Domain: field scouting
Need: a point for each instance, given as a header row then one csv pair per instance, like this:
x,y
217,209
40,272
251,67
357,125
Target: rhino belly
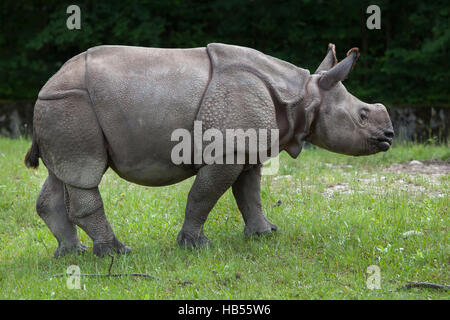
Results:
x,y
140,96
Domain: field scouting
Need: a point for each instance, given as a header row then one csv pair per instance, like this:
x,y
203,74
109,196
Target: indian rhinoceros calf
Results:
x,y
117,106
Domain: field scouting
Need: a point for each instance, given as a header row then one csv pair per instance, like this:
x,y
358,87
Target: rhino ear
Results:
x,y
330,59
340,71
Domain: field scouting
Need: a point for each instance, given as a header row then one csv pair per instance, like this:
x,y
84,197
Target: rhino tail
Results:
x,y
32,156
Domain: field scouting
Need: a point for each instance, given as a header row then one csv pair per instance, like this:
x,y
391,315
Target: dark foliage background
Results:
x,y
405,62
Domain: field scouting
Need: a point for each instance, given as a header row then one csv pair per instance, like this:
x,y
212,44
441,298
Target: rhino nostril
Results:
x,y
389,133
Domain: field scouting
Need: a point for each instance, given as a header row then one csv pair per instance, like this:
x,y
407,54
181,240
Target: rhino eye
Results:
x,y
363,116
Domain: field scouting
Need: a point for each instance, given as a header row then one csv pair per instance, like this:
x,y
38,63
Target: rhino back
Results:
x,y
140,96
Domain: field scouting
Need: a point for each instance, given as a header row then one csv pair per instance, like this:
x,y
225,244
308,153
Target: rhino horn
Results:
x,y
340,71
330,59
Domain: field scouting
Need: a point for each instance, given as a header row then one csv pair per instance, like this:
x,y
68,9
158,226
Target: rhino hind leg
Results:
x,y
247,192
50,207
71,142
210,184
85,207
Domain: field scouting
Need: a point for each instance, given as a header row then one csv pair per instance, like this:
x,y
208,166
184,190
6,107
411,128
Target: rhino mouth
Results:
x,y
382,143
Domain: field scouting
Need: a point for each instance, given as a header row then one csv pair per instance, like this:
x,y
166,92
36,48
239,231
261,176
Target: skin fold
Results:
x,y
117,106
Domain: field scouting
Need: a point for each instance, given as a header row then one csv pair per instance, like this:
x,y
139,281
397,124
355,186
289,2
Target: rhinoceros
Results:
x,y
116,107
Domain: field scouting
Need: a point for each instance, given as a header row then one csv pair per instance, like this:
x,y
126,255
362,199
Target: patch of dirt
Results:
x,y
340,187
427,170
430,171
416,167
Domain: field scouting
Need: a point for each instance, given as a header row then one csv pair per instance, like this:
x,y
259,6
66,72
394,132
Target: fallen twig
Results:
x,y
144,275
111,264
414,284
109,274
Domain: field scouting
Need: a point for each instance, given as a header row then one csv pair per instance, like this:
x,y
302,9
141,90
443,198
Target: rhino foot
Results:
x,y
261,228
63,250
192,240
101,249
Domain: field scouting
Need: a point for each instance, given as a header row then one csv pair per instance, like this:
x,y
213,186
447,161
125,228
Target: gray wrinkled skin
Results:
x,y
117,106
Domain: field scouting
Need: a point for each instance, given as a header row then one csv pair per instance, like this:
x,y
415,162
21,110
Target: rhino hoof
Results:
x,y
101,249
188,240
64,250
263,228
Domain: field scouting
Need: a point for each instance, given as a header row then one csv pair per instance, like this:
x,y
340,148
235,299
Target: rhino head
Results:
x,y
343,123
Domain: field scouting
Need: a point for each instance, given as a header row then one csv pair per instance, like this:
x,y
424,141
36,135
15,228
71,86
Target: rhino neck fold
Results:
x,y
301,119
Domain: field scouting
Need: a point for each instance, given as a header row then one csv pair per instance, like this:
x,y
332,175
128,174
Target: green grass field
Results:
x,y
336,215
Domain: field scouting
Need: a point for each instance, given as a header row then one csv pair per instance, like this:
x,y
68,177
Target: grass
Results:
x,y
336,215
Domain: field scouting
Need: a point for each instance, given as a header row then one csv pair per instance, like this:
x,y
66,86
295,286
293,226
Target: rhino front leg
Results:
x,y
50,207
247,192
85,207
210,184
